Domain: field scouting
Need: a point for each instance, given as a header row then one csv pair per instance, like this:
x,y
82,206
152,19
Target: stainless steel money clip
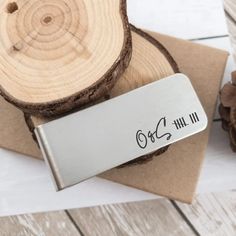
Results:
x,y
86,143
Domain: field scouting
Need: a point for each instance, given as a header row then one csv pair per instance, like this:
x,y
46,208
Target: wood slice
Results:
x,y
150,62
60,54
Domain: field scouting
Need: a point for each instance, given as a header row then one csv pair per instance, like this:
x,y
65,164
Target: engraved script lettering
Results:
x,y
152,136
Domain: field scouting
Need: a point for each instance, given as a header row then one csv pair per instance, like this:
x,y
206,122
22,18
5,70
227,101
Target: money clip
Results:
x,y
86,143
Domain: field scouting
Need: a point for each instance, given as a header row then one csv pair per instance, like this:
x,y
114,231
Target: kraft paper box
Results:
x,y
175,173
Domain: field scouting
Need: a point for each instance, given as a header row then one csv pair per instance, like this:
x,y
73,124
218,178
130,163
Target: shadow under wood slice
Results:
x,y
150,62
59,55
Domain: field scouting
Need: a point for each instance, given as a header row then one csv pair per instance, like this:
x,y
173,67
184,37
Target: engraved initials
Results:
x,y
142,139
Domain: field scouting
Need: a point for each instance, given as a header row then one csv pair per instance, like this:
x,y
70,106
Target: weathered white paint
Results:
x,y
42,224
213,214
157,217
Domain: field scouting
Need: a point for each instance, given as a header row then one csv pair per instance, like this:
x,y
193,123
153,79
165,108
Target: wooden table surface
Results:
x,y
211,213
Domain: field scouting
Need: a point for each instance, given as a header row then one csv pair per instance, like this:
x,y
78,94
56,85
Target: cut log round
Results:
x,y
150,62
60,54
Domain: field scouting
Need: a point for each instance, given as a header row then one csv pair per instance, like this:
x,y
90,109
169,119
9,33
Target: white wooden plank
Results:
x,y
230,12
43,224
181,18
157,217
218,173
213,214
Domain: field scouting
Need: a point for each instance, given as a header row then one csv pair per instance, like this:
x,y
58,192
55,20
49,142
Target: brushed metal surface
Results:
x,y
86,143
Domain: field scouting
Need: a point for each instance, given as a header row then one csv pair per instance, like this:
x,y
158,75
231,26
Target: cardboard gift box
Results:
x,y
173,174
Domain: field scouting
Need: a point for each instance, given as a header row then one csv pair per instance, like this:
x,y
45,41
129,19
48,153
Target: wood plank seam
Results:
x,y
212,214
185,218
210,37
74,222
157,217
